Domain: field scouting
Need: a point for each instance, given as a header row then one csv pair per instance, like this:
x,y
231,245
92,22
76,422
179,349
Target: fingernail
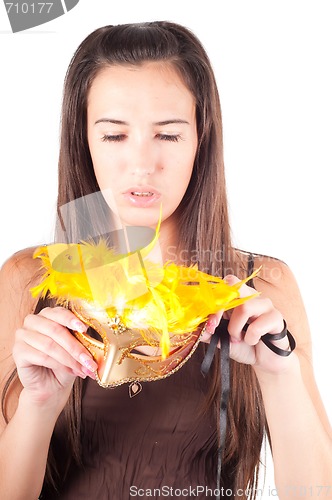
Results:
x,y
88,373
78,325
235,341
211,324
88,362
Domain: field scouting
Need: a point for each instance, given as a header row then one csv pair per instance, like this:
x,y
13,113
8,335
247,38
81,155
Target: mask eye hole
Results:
x,y
94,334
146,352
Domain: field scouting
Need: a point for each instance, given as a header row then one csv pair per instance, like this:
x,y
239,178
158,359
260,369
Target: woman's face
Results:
x,y
143,140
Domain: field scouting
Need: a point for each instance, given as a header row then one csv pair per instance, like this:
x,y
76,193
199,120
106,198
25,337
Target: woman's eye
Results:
x,y
113,138
122,137
168,137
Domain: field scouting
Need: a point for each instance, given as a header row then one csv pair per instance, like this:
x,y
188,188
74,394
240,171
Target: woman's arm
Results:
x,y
301,435
24,445
48,358
24,442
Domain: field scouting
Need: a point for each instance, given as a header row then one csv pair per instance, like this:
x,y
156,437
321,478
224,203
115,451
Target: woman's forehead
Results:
x,y
154,85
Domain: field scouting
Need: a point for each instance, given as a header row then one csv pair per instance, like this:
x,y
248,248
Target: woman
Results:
x,y
141,117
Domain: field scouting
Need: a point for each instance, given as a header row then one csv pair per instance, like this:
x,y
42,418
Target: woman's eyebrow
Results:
x,y
111,120
168,122
121,122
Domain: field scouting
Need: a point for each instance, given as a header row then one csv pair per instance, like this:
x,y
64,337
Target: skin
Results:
x,y
153,142
48,357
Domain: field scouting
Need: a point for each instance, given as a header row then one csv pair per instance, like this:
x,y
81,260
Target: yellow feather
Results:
x,y
156,298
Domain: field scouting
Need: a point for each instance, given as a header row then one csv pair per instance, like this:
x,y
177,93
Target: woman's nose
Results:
x,y
143,160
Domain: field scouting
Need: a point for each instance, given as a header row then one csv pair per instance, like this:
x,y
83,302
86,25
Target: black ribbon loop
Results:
x,y
268,337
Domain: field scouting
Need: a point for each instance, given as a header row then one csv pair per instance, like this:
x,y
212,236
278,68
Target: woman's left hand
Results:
x,y
246,346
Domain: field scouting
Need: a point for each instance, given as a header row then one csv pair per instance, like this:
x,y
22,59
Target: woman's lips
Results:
x,y
142,196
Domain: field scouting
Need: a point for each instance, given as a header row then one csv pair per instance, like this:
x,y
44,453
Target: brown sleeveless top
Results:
x,y
159,439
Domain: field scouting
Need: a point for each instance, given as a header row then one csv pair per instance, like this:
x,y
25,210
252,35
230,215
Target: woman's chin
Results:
x,y
141,217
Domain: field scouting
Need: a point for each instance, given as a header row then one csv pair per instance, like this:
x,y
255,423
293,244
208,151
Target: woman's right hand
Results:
x,y
48,357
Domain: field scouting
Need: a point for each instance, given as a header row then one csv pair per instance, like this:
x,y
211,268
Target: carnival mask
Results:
x,y
147,317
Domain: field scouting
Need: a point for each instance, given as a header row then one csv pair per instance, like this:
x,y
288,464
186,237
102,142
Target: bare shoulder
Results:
x,y
277,281
20,265
17,275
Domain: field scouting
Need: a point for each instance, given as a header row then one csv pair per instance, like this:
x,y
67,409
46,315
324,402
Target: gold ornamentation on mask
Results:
x,y
116,326
128,357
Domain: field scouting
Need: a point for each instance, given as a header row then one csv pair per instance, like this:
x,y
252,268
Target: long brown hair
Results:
x,y
202,214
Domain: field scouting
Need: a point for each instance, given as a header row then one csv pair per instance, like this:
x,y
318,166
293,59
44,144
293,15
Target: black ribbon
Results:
x,y
221,335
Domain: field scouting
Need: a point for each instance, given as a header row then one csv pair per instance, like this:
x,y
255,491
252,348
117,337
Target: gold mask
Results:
x,y
148,317
121,353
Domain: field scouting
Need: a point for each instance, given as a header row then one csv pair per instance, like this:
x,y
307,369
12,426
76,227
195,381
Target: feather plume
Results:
x,y
161,298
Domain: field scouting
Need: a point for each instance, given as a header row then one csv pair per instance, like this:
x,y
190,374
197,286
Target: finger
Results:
x,y
33,348
248,313
213,322
64,317
245,290
58,333
231,279
26,356
206,338
242,353
35,369
266,323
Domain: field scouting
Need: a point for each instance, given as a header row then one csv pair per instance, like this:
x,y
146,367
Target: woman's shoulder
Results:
x,y
272,270
24,255
19,270
274,276
276,281
18,274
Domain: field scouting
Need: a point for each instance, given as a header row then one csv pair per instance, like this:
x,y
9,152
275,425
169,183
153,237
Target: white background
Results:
x,y
272,61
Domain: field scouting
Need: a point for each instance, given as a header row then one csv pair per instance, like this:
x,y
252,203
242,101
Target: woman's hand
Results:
x,y
245,346
48,357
